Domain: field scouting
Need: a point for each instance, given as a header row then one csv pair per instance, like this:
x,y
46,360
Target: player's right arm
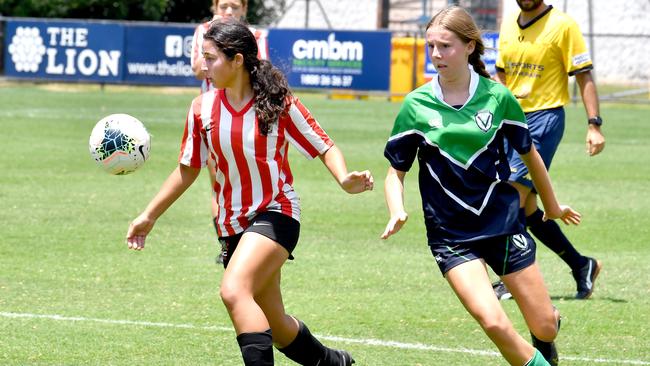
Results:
x,y
175,185
394,193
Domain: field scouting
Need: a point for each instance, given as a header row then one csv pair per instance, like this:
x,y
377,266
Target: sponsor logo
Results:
x,y
173,46
483,120
329,49
28,47
580,59
178,46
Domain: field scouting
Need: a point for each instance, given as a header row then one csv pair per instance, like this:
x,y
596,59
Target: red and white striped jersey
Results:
x,y
252,170
197,48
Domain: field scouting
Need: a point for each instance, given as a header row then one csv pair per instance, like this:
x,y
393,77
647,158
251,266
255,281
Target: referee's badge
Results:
x,y
483,120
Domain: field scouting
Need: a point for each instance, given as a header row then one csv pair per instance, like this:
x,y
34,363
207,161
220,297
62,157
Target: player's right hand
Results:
x,y
137,233
395,224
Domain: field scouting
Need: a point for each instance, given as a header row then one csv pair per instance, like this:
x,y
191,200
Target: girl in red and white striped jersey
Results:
x,y
222,9
246,125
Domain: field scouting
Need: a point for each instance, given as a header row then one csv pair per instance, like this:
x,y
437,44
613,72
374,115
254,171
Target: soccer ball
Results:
x,y
120,144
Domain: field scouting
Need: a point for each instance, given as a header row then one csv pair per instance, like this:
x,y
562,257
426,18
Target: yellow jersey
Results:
x,y
539,57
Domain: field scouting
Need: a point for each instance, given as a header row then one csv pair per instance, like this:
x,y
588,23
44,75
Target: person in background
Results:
x,y
454,127
247,123
539,48
221,9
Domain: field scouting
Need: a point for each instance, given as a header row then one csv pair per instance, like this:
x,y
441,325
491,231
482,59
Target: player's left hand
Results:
x,y
564,213
357,182
595,141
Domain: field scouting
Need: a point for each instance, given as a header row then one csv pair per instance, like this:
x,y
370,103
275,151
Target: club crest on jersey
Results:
x,y
483,120
520,241
436,120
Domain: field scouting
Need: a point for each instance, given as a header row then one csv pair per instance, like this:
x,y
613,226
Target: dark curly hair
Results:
x,y
269,84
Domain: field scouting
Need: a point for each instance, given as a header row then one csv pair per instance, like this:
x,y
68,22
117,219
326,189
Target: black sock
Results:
x,y
550,234
256,348
305,349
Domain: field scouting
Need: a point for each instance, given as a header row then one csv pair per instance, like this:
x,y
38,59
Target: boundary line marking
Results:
x,y
361,341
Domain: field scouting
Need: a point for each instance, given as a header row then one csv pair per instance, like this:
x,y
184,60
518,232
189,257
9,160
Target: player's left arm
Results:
x,y
595,140
542,181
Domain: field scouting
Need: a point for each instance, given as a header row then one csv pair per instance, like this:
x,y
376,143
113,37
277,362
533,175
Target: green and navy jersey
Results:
x,y
464,170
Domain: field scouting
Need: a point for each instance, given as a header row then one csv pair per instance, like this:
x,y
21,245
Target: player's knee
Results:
x,y
545,330
493,324
232,292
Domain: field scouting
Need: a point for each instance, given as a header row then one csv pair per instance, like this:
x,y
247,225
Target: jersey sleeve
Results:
x,y
194,148
575,54
304,132
515,128
402,146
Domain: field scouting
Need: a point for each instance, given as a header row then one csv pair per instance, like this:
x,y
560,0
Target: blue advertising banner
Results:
x,y
332,59
159,55
64,50
490,41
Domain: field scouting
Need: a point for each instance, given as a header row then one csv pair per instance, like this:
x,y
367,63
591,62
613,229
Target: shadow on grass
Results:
x,y
597,298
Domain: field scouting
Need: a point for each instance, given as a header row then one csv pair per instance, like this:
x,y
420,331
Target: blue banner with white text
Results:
x,y
99,51
158,55
64,50
332,59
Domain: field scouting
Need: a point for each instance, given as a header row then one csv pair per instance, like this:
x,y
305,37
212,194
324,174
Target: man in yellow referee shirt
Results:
x,y
539,49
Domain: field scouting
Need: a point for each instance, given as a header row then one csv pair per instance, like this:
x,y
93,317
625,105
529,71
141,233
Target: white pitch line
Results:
x,y
366,341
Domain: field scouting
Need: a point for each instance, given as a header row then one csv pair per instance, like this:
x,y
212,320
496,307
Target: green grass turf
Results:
x,y
62,251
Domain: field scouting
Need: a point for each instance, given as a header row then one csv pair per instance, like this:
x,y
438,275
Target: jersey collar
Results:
x,y
473,84
230,108
538,17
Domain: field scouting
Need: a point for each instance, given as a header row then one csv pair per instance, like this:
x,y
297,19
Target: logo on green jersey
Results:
x,y
483,120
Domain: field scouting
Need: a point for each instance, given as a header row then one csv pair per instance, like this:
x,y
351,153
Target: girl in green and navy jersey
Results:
x,y
456,126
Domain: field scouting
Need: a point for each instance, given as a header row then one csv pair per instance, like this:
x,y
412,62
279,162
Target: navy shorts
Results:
x,y
280,228
546,128
504,254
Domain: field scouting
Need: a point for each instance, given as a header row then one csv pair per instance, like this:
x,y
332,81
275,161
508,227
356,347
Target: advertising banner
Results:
x,y
490,41
64,50
332,59
156,54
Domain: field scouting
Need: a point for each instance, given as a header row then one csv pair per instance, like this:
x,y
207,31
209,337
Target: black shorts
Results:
x,y
504,254
280,228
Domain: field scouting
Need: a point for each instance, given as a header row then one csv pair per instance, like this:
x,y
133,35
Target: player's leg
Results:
x,y
529,291
249,271
547,128
472,286
291,336
585,269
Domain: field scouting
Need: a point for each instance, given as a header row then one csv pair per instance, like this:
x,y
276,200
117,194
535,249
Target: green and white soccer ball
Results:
x,y
120,144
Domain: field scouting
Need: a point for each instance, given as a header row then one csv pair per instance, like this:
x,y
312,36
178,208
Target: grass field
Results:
x,y
72,294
